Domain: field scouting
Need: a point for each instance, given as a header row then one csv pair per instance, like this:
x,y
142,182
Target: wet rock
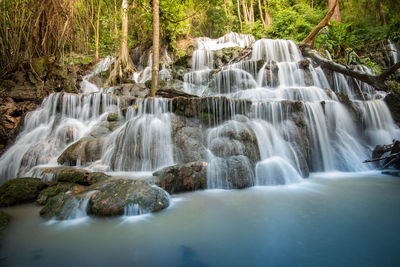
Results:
x,y
56,189
234,138
112,197
66,206
240,172
224,56
187,140
235,172
87,149
80,176
183,177
178,72
113,117
303,64
11,118
296,135
69,175
20,190
132,89
392,100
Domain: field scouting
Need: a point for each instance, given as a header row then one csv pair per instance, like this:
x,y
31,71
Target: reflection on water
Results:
x,y
329,220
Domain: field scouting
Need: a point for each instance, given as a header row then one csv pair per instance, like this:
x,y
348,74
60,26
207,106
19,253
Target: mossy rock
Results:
x,y
113,117
56,189
65,206
20,190
80,176
87,149
114,196
392,100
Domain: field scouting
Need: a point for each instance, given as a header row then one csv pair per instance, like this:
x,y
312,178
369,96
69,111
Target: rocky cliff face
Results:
x,y
23,91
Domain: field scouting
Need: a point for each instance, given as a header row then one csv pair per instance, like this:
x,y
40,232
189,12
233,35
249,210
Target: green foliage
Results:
x,y
293,22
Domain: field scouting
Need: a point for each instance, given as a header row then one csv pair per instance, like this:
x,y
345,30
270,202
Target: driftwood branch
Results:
x,y
383,158
172,93
376,81
310,39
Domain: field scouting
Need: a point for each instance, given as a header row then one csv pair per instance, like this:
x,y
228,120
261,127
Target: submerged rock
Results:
x,y
56,189
4,220
20,190
114,196
183,178
66,206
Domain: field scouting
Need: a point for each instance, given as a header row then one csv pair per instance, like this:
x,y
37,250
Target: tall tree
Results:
x,y
336,15
123,66
97,33
124,53
156,47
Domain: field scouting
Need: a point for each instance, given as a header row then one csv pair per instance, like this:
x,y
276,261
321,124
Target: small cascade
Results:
x,y
103,65
143,143
61,120
144,67
134,210
395,55
77,207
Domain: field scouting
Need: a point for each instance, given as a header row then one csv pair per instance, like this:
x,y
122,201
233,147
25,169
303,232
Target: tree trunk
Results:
x,y
240,17
336,15
268,19
98,31
123,66
376,81
382,14
124,36
156,47
310,39
261,14
246,18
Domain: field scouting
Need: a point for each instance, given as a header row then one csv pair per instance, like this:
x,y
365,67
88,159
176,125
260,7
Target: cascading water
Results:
x,y
266,120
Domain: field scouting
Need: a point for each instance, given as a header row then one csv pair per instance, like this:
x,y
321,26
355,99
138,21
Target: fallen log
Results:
x,y
376,81
382,158
392,160
310,39
172,93
246,52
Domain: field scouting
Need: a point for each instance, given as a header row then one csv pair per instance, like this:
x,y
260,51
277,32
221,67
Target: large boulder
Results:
x,y
132,89
234,138
20,190
187,138
116,196
235,172
87,149
183,178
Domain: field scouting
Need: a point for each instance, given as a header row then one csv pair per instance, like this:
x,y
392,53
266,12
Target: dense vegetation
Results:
x,y
69,30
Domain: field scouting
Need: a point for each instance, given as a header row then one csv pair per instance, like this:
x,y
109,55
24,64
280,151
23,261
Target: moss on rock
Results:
x,y
56,189
20,190
113,196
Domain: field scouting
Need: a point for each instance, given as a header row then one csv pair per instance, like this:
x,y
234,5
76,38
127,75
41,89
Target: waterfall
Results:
x,y
269,119
143,143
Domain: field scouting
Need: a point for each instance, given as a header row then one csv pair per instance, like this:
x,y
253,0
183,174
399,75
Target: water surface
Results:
x,y
329,220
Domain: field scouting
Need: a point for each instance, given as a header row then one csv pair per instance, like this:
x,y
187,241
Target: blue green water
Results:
x,y
329,220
